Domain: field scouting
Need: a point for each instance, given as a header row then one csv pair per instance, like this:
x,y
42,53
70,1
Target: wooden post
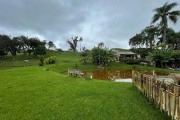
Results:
x,y
149,88
152,88
159,95
177,104
169,103
142,82
161,99
178,110
155,93
165,100
174,100
133,80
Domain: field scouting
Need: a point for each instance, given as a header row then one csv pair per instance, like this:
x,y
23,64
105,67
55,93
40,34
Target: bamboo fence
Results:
x,y
166,97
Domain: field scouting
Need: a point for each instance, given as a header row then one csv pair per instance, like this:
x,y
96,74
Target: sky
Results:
x,y
112,22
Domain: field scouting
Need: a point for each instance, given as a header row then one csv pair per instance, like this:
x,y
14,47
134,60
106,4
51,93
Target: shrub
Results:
x,y
41,60
51,60
131,61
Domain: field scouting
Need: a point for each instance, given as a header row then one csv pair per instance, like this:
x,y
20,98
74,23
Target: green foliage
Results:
x,y
165,14
99,56
41,60
143,52
51,60
162,57
2,53
131,61
40,50
85,55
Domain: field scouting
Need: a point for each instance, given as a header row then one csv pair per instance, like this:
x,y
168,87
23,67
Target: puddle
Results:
x,y
123,80
116,75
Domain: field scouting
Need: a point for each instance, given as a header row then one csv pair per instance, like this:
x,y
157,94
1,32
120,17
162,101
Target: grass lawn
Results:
x,y
34,93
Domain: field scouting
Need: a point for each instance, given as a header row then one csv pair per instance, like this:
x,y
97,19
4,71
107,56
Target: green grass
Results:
x,y
34,93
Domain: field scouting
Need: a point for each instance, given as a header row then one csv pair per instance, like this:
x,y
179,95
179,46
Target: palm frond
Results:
x,y
158,10
174,13
170,6
101,44
155,18
173,19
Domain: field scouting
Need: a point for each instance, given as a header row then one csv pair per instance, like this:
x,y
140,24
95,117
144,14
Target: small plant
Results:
x,y
51,60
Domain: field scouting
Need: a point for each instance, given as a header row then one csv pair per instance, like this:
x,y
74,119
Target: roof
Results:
x,y
125,53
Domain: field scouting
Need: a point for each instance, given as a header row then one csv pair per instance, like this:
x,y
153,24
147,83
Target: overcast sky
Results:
x,y
113,22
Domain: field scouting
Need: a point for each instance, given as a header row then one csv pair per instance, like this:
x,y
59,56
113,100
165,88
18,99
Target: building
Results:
x,y
121,55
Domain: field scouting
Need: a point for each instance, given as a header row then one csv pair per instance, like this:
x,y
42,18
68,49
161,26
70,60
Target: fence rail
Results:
x,y
165,96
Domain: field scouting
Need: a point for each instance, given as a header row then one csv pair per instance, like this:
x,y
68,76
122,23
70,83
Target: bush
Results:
x,y
131,61
51,60
41,60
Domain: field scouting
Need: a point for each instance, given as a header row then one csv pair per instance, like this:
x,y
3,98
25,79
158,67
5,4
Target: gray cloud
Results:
x,y
112,22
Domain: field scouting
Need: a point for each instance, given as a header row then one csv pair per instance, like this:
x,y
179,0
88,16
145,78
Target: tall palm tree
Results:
x,y
164,13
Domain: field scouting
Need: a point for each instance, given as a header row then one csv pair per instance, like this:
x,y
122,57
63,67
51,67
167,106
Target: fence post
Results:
x,y
165,101
174,100
160,96
169,103
178,111
152,89
133,78
161,99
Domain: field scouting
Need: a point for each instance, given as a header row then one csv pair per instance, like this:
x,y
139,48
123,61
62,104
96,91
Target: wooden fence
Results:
x,y
165,96
74,72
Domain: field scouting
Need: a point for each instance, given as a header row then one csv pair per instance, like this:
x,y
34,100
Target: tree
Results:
x,y
14,46
73,43
51,45
4,44
162,57
40,50
34,43
148,36
24,42
101,56
85,55
173,38
136,41
100,45
164,13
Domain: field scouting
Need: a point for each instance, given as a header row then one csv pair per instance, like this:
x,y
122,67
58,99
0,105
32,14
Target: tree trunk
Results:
x,y
14,57
164,36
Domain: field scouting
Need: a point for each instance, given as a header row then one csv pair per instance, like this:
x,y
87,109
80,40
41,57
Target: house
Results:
x,y
124,54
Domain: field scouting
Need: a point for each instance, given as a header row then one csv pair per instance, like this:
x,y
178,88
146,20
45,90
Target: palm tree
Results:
x,y
164,13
